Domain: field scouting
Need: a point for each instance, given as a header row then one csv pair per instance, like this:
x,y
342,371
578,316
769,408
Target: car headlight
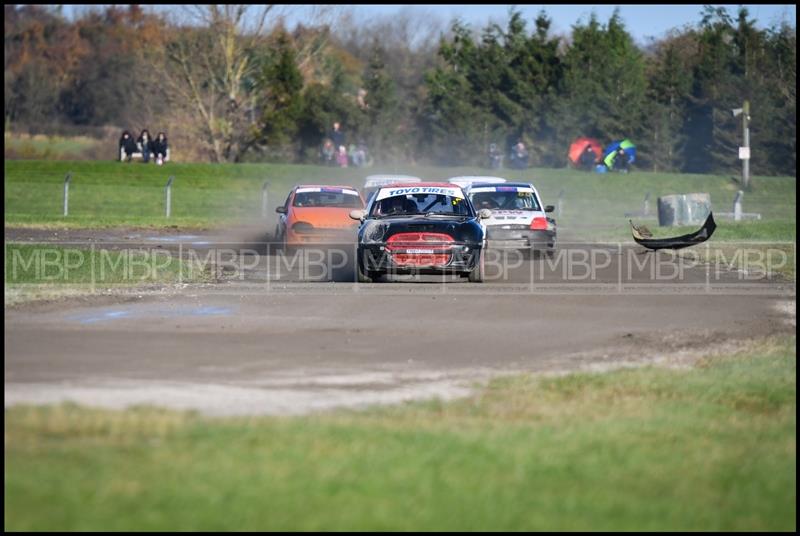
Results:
x,y
373,232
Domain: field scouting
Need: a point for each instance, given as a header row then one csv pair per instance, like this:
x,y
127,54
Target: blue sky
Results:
x,y
642,21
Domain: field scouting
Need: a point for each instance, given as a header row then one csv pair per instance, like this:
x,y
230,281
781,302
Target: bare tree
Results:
x,y
309,50
208,68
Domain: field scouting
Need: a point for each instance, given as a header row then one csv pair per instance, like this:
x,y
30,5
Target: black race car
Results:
x,y
424,228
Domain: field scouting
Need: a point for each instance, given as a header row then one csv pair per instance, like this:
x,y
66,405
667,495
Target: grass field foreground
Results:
x,y
711,448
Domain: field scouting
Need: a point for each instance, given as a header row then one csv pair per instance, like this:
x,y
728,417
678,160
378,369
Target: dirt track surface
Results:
x,y
257,343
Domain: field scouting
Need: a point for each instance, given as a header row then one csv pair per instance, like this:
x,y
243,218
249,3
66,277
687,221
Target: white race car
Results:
x,y
375,182
518,220
468,180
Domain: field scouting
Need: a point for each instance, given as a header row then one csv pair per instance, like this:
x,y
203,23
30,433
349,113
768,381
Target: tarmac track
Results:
x,y
271,337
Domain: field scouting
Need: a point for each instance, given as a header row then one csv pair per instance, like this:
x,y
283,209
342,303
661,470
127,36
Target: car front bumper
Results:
x,y
321,236
456,258
520,239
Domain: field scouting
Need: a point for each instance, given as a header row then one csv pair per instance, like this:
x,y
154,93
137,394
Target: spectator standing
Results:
x,y
519,156
160,148
587,159
337,136
145,144
341,158
328,152
126,146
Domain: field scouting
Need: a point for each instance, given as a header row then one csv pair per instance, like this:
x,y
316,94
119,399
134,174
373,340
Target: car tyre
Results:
x,y
476,275
365,276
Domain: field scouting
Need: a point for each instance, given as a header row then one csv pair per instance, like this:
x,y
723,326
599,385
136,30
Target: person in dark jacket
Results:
x,y
588,159
519,156
160,148
126,146
145,144
622,161
337,136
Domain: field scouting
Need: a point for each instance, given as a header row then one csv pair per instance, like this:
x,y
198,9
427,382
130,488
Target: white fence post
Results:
x,y
737,206
169,197
560,204
66,193
264,199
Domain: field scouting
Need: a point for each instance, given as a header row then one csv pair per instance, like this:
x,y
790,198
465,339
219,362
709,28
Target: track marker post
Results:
x,y
264,199
168,191
66,193
737,206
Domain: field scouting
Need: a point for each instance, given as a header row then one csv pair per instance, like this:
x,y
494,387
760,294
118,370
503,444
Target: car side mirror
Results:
x,y
357,214
280,210
484,213
549,208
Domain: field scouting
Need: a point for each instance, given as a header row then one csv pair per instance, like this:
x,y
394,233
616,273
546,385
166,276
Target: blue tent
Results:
x,y
610,154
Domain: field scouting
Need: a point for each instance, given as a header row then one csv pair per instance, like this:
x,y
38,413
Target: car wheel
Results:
x,y
477,273
278,240
365,276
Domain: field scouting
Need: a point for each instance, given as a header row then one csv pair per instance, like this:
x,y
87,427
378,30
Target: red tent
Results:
x,y
579,145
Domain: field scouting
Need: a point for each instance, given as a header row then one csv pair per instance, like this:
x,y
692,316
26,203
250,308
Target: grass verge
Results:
x,y
50,147
711,448
43,271
107,193
760,247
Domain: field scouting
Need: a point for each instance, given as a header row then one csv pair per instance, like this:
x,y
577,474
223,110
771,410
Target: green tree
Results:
x,y
669,82
604,87
324,104
454,123
780,68
710,125
532,76
381,108
281,102
500,89
756,67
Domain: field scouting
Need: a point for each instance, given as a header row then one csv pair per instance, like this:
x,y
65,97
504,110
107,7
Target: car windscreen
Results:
x,y
420,203
326,198
501,199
